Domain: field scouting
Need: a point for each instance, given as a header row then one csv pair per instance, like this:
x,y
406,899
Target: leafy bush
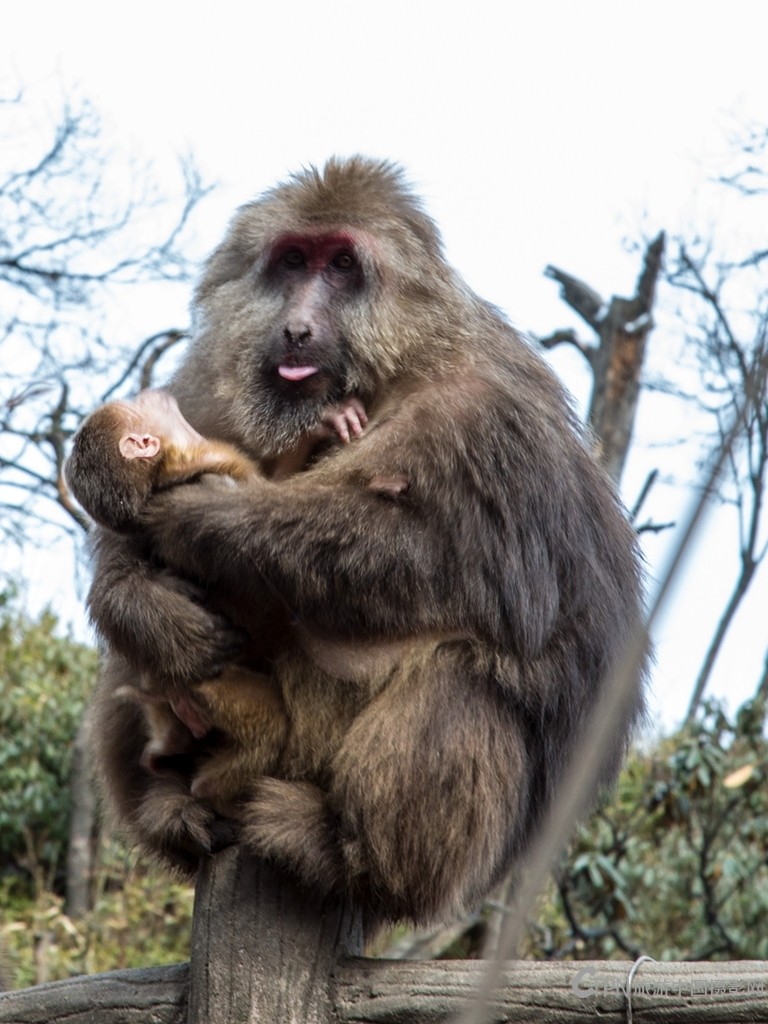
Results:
x,y
44,682
674,865
140,918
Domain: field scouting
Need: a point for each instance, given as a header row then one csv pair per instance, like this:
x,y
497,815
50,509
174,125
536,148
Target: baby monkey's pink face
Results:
x,y
154,420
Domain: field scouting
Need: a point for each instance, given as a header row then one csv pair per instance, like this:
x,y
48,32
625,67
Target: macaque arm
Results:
x,y
372,566
154,618
346,556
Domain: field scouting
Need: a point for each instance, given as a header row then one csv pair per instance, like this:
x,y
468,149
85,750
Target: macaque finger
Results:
x,y
337,421
356,416
347,420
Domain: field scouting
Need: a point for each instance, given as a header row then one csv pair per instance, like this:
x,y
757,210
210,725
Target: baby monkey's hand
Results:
x,y
346,420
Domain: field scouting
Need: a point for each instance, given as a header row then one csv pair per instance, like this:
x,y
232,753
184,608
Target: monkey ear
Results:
x,y
139,446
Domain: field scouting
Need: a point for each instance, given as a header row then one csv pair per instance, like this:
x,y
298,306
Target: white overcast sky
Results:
x,y
538,132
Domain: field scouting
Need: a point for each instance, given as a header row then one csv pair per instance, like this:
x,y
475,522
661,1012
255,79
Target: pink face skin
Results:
x,y
315,253
315,271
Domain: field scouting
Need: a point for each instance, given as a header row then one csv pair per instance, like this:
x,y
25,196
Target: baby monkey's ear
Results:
x,y
139,446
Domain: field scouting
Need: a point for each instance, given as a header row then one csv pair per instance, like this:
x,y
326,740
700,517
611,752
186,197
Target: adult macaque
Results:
x,y
123,453
449,632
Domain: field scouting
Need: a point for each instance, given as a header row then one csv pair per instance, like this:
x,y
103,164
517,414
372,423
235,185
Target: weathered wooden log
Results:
x,y
144,996
398,992
265,951
423,992
262,948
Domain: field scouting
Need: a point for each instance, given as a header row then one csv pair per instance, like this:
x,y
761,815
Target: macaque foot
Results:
x,y
215,787
290,822
172,819
225,778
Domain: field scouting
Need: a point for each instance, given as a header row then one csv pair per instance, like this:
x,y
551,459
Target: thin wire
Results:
x,y
631,978
580,779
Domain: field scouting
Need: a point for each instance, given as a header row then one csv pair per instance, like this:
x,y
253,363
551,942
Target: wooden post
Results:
x,y
263,949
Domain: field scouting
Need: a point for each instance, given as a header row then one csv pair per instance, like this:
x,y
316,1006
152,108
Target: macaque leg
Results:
x,y
247,707
157,809
441,738
191,784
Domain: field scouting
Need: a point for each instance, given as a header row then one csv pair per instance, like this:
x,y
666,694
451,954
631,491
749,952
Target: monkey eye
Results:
x,y
293,258
343,260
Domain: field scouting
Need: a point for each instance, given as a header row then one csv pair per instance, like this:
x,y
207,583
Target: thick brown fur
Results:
x,y
450,631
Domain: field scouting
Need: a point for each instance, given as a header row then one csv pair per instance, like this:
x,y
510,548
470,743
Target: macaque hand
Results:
x,y
185,642
344,421
192,715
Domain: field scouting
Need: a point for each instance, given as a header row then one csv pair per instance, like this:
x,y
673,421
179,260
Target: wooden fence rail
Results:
x,y
264,954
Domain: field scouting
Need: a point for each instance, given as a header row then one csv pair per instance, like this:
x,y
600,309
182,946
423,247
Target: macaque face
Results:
x,y
314,278
319,291
286,330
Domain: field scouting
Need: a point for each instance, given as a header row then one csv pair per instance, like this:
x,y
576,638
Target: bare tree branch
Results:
x,y
145,358
743,371
616,360
66,242
579,296
567,336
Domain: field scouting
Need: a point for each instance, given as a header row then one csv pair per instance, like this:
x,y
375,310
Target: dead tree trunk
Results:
x,y
81,826
622,327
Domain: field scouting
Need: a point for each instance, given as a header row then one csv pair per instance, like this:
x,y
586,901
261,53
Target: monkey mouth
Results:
x,y
295,373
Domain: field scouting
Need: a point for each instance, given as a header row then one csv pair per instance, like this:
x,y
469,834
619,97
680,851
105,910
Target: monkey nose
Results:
x,y
297,333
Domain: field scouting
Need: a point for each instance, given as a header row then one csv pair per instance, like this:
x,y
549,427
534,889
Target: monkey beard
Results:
x,y
277,422
278,414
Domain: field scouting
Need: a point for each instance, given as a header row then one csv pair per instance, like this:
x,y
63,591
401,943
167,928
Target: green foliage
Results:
x,y
140,918
674,865
44,682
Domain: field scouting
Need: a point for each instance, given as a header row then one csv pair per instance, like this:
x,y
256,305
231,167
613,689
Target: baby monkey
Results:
x,y
123,453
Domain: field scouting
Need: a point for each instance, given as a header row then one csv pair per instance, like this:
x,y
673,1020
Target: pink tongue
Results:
x,y
296,372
